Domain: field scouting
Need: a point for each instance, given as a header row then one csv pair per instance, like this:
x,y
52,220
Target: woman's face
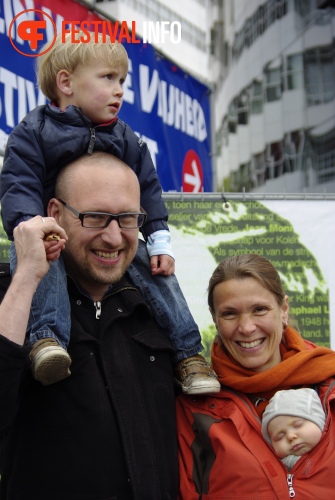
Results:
x,y
250,322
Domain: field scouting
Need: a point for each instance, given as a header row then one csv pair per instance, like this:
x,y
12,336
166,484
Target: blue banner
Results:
x,y
165,106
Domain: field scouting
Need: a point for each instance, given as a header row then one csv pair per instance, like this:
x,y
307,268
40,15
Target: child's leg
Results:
x,y
49,324
168,304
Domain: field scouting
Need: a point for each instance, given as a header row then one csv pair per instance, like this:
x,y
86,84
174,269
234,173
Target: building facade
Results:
x,y
271,67
192,53
275,97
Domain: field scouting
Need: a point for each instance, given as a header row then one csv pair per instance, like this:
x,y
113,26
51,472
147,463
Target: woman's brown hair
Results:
x,y
247,266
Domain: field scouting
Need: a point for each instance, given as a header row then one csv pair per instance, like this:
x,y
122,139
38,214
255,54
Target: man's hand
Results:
x,y
33,252
162,264
33,256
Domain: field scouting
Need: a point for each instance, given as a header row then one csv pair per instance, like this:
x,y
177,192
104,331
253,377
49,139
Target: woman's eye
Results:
x,y
228,314
261,310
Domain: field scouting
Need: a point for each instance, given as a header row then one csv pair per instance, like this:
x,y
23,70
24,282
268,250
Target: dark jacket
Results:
x,y
108,431
47,139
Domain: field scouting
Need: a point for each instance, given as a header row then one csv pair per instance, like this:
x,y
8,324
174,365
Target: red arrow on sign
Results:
x,y
192,173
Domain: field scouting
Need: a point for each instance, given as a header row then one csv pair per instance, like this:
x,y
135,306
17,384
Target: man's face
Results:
x,y
96,258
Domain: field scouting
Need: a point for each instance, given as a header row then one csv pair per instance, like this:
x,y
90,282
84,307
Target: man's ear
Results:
x,y
63,81
54,209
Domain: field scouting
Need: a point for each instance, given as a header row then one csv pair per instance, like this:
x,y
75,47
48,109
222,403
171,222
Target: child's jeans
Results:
x,y
50,311
168,305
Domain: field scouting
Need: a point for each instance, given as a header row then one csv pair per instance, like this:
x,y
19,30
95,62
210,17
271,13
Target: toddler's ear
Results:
x,y
64,82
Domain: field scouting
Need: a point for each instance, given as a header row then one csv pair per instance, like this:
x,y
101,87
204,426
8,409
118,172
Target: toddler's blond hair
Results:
x,y
67,55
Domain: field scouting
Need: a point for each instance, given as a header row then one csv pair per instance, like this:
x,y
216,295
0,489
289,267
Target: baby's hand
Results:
x,y
162,264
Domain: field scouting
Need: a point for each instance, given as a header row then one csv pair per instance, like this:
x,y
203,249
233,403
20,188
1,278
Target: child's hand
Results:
x,y
32,250
162,264
53,249
53,245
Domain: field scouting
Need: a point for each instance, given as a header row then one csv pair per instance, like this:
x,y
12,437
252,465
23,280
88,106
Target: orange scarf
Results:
x,y
303,364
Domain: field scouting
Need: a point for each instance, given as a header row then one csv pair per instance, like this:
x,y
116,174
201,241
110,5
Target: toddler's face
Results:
x,y
97,90
293,435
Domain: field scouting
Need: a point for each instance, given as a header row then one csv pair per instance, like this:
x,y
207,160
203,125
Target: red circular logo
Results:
x,y
32,31
192,173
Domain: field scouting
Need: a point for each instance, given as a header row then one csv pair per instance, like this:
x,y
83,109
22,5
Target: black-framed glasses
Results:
x,y
100,220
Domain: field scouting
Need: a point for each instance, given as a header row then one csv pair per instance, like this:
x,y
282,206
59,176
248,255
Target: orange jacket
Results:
x,y
223,455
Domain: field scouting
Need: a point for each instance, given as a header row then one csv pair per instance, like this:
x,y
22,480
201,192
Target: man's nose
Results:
x,y
112,234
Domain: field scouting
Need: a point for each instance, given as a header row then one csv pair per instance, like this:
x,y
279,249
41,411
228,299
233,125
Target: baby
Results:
x,y
293,423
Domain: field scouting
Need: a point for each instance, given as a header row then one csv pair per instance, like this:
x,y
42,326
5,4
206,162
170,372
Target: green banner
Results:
x,y
205,231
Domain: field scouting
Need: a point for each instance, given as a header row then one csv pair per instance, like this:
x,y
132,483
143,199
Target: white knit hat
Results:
x,y
303,403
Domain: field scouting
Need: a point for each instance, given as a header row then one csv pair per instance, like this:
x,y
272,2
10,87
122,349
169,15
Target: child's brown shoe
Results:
x,y
49,361
195,376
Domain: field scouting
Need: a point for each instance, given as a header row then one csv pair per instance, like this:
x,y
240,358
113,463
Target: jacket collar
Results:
x,y
74,116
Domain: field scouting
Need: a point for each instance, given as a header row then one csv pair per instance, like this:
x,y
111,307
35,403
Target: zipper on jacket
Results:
x,y
97,304
97,310
92,141
290,485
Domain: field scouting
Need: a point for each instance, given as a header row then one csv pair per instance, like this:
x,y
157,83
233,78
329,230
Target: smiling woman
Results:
x,y
255,354
250,322
249,309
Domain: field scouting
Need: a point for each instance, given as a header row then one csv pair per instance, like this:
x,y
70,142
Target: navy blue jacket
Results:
x,y
48,139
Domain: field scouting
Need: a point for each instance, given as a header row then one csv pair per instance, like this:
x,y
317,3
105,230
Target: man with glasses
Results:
x,y
108,431
101,220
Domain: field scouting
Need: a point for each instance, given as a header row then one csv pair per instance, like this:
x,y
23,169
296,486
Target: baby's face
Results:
x,y
293,435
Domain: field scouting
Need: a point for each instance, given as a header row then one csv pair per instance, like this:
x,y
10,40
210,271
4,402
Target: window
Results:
x,y
232,118
225,132
242,109
303,7
248,33
273,84
319,75
256,98
294,72
275,160
258,169
235,181
324,154
267,14
220,138
272,11
245,177
213,41
225,54
292,151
